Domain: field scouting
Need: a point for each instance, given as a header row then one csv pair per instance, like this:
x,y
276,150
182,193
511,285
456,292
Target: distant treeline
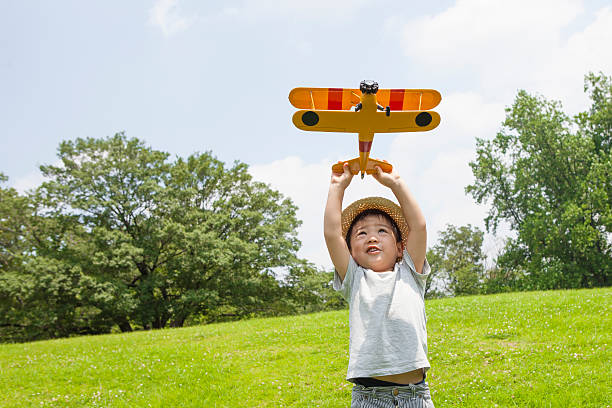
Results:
x,y
120,238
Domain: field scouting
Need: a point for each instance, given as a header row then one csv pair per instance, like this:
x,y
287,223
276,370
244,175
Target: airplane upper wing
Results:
x,y
357,122
408,99
345,99
324,98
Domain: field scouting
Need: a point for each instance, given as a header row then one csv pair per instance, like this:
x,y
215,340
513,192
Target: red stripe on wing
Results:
x,y
396,100
334,99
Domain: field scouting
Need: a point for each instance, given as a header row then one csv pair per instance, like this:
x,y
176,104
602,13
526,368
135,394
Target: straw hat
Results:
x,y
375,203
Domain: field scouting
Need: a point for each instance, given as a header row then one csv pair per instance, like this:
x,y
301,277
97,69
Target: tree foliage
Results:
x,y
548,177
14,210
458,262
310,290
120,236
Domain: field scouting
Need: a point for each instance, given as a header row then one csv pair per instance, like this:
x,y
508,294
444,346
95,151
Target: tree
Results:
x,y
458,261
168,239
548,176
310,289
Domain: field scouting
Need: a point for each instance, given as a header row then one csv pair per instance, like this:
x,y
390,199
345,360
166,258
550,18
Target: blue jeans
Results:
x,y
404,396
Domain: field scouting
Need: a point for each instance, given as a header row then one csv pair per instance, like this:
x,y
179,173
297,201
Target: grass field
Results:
x,y
534,349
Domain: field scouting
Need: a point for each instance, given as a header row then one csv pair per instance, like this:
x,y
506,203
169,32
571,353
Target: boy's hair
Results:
x,y
373,211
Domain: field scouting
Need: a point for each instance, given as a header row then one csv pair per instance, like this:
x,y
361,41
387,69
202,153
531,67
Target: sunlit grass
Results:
x,y
535,349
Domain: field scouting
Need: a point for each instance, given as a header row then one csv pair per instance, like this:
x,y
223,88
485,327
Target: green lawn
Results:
x,y
534,349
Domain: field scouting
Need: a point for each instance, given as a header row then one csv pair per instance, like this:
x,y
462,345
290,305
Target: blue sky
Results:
x,y
187,76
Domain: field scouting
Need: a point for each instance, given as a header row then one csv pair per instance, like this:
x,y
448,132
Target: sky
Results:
x,y
188,76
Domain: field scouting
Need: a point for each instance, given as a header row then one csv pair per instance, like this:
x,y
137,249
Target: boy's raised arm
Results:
x,y
332,221
416,243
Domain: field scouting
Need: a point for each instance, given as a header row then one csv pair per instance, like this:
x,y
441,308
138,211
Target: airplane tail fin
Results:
x,y
370,167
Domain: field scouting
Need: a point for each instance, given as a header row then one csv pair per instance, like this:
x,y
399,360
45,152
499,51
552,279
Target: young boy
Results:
x,y
378,251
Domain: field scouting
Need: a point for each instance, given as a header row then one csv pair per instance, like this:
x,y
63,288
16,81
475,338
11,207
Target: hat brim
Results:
x,y
375,203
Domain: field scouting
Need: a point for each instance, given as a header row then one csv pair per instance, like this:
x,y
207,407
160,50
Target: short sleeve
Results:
x,y
421,278
345,286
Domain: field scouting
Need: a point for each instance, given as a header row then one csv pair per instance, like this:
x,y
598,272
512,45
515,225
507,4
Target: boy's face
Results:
x,y
374,245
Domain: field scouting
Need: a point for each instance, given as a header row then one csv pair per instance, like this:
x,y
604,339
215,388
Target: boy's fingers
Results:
x,y
338,173
347,170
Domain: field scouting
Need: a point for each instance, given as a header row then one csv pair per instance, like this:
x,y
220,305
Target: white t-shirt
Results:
x,y
387,318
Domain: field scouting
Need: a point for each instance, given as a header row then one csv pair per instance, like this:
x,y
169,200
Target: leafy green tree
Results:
x,y
309,289
172,239
548,176
436,285
458,262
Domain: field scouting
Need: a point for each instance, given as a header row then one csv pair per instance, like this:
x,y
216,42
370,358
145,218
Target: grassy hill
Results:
x,y
534,349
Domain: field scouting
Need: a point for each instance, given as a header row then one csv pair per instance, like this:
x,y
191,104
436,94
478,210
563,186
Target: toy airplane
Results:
x,y
328,110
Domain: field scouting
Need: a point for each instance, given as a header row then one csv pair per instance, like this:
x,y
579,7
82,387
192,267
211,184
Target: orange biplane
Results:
x,y
328,110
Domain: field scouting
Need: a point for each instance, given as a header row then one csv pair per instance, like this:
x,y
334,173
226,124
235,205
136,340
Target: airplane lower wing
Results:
x,y
359,122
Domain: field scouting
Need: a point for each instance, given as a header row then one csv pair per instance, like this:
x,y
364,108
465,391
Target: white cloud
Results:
x,y
442,192
503,46
306,185
469,115
465,116
586,50
28,182
166,15
474,33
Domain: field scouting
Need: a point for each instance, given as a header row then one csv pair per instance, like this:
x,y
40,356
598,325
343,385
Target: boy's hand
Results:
x,y
387,179
342,179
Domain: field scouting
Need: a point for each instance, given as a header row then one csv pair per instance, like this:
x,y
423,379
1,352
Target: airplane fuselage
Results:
x,y
369,108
